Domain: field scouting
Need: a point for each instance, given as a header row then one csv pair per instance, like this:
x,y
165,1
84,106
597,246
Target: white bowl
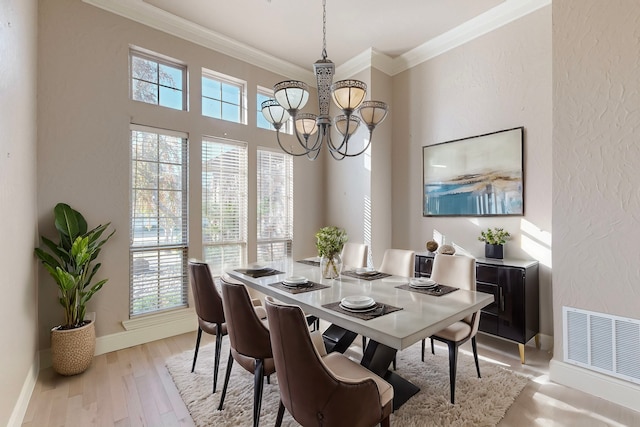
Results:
x,y
357,301
295,280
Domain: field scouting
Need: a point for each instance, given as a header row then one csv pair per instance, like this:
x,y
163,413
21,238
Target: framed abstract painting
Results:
x,y
477,176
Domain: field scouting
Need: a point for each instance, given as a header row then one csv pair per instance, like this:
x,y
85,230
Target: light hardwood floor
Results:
x,y
132,387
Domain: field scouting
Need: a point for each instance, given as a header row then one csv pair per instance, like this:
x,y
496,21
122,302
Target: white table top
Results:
x,y
422,315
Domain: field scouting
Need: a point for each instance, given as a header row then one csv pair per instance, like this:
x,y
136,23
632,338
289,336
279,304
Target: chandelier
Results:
x,y
313,131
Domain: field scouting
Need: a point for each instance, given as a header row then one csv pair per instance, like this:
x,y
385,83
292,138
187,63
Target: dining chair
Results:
x,y
250,343
208,305
398,262
354,255
458,271
319,388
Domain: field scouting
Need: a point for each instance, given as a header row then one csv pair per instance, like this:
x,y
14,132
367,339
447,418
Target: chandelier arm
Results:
x,y
346,148
291,153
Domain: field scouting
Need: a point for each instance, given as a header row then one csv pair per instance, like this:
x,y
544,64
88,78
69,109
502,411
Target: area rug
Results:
x,y
479,401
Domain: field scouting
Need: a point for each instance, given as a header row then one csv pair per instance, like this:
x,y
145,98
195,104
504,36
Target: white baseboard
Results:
x,y
159,327
20,408
615,390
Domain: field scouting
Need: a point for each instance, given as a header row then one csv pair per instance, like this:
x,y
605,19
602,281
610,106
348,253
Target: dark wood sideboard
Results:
x,y
514,314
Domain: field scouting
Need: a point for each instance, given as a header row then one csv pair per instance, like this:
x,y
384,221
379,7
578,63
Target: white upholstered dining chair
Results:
x,y
458,271
354,255
398,262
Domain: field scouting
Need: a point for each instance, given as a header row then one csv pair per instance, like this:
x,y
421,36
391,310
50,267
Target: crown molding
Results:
x,y
146,14
151,16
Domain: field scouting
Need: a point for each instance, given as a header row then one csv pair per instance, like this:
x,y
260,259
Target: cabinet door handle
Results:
x,y
501,297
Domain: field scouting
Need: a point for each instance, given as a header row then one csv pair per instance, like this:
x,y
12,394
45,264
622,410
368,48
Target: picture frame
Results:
x,y
480,175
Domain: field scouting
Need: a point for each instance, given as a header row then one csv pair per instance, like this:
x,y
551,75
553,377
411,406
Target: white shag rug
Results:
x,y
479,401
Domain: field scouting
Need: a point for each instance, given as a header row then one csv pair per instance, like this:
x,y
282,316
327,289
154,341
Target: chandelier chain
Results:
x,y
324,29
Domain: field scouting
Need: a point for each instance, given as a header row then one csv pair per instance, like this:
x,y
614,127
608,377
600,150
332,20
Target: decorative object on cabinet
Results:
x,y
476,176
514,314
432,246
447,250
494,239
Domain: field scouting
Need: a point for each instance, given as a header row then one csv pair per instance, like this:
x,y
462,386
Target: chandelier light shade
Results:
x,y
348,95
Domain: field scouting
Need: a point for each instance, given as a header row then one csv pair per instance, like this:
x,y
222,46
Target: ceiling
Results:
x,y
291,30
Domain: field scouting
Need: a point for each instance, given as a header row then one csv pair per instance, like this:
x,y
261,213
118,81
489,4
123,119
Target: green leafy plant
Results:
x,y
71,262
330,240
494,236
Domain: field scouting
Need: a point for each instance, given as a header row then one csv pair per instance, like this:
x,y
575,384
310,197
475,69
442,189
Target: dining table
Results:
x,y
403,314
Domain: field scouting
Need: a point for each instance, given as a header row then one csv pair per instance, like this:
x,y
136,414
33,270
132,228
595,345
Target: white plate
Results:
x,y
366,271
359,310
295,280
422,283
256,267
357,302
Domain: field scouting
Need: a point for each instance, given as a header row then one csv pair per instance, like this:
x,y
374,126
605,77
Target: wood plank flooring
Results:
x,y
132,387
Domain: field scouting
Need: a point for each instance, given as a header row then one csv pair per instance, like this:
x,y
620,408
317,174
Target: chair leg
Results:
x,y
432,348
422,358
226,381
453,364
364,343
475,355
216,362
385,423
394,363
280,414
195,355
258,382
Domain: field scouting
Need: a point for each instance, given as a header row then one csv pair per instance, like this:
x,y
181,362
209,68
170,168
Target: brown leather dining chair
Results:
x,y
250,343
458,271
320,389
208,305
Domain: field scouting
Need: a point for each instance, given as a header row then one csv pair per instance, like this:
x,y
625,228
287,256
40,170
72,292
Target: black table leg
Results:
x,y
377,358
337,338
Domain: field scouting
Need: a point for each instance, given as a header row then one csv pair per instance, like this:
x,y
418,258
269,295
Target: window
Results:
x,y
275,205
158,235
158,81
223,97
262,95
224,203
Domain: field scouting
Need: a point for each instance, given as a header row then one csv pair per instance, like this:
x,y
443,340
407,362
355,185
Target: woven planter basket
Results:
x,y
72,349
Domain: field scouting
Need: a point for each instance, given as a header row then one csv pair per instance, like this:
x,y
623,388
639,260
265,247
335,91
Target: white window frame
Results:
x,y
268,244
226,80
159,60
232,176
155,267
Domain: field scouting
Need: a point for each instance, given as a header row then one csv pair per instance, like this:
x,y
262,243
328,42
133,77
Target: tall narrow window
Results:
x,y
275,205
224,203
223,97
158,236
158,81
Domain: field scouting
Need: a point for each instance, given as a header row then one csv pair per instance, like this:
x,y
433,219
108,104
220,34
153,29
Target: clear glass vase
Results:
x,y
331,267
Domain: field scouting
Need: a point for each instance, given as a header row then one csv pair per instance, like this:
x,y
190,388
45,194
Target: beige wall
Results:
x,y
498,81
18,226
83,146
596,155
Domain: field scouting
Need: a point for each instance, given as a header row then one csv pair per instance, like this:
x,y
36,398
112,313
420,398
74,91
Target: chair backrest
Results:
x,y
354,255
308,388
247,334
398,262
207,300
458,271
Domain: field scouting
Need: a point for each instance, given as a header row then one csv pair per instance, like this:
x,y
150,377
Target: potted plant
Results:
x,y
494,239
70,262
329,242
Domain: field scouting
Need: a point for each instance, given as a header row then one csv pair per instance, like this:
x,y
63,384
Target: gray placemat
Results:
x,y
380,310
308,287
437,292
309,262
259,273
376,276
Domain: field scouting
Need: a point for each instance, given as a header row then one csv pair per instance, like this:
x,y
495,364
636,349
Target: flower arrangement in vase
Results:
x,y
494,239
329,242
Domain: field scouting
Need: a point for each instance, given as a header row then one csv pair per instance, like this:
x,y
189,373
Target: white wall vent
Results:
x,y
602,342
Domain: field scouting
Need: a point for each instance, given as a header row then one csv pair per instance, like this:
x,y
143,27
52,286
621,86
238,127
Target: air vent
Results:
x,y
602,342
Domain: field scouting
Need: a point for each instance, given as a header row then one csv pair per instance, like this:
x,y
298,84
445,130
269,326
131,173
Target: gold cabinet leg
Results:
x,y
537,338
521,348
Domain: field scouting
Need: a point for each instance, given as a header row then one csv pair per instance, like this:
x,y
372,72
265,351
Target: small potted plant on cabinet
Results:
x,y
494,239
71,264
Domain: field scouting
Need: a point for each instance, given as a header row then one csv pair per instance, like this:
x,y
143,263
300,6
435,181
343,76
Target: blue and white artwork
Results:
x,y
477,176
